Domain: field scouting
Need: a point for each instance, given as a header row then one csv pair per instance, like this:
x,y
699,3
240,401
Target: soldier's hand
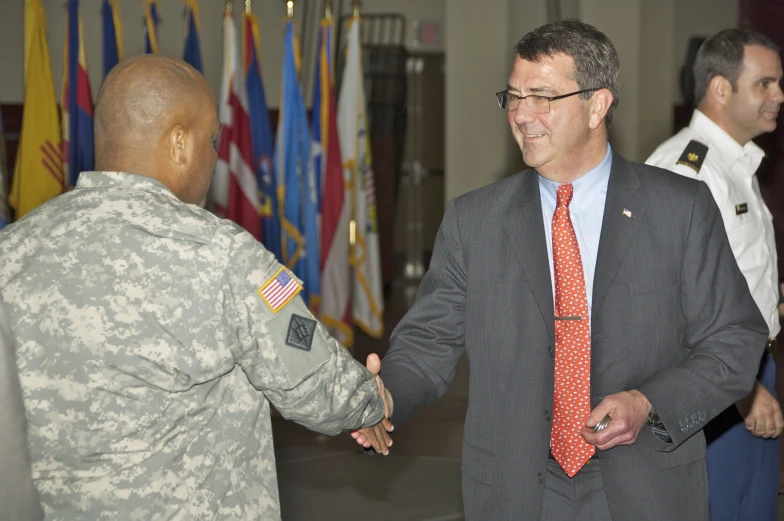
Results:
x,y
377,436
761,412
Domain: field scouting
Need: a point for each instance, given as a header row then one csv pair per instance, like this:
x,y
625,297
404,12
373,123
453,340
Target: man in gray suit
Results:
x,y
670,340
18,498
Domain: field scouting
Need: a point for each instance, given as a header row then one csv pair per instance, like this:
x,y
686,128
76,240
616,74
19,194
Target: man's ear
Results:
x,y
600,104
719,89
177,141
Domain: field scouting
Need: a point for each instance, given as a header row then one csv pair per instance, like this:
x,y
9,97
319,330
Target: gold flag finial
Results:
x,y
357,5
228,7
247,6
290,8
328,9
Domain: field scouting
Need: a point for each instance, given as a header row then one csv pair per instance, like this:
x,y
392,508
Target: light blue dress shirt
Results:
x,y
587,213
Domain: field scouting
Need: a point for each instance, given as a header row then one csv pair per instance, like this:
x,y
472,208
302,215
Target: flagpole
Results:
x,y
354,203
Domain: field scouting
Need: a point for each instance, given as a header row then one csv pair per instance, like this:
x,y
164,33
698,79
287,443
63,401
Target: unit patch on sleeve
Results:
x,y
740,209
693,155
279,290
300,333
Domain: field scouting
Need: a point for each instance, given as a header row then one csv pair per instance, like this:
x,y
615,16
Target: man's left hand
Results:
x,y
628,412
761,412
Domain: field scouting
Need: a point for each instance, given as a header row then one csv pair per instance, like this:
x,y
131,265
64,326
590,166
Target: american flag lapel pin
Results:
x,y
627,213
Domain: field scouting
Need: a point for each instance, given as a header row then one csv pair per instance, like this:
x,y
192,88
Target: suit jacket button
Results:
x,y
539,478
547,416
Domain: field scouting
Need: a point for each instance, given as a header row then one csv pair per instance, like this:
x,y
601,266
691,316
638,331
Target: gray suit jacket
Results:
x,y
18,498
671,317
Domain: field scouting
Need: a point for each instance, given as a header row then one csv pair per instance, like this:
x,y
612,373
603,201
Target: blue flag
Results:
x,y
77,102
297,191
192,55
112,35
261,135
150,43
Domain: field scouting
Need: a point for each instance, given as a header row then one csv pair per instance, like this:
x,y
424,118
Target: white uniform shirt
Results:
x,y
728,169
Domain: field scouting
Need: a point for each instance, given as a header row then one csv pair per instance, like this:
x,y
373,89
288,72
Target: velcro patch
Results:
x,y
279,290
300,333
693,155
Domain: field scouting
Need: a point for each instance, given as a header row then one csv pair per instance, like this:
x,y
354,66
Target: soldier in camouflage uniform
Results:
x,y
152,335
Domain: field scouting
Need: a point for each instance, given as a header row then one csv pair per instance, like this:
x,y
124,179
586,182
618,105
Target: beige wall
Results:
x,y
271,14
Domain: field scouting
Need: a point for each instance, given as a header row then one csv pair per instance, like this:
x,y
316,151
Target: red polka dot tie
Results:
x,y
571,404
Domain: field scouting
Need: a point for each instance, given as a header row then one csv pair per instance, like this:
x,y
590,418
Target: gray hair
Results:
x,y
596,63
722,55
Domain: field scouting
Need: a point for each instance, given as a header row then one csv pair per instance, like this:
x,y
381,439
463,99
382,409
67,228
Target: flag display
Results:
x,y
112,34
335,208
150,42
234,189
192,54
77,101
38,175
297,189
355,148
261,135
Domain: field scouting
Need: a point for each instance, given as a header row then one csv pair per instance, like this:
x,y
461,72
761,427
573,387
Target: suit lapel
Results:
x,y
525,230
623,212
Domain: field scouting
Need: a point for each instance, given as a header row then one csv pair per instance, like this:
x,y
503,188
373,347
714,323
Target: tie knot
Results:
x,y
564,195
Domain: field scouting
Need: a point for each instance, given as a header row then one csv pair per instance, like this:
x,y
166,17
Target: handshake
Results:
x,y
377,436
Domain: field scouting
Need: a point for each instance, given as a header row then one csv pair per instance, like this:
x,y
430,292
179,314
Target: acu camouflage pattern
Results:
x,y
147,358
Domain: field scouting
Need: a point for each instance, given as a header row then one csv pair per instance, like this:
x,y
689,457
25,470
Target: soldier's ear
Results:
x,y
720,89
178,144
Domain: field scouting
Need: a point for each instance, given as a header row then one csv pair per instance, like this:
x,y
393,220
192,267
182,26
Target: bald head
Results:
x,y
148,115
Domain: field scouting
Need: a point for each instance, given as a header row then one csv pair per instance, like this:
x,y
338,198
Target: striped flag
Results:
x,y
112,35
150,42
297,188
334,201
38,175
368,304
77,101
234,188
192,54
261,134
279,290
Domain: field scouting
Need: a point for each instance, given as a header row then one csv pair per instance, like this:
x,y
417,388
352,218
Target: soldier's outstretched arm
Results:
x,y
286,353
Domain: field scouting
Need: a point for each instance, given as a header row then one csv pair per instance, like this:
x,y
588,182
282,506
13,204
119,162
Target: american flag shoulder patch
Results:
x,y
279,290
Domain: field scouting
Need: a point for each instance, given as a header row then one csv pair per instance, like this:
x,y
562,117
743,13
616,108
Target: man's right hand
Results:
x,y
377,436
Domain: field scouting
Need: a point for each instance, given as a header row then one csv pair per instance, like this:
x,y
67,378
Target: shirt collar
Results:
x,y
723,144
584,186
122,180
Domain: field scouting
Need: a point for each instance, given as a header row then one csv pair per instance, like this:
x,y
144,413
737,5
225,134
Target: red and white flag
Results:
x,y
234,190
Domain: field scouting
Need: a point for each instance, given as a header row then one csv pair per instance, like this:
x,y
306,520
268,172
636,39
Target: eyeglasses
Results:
x,y
537,104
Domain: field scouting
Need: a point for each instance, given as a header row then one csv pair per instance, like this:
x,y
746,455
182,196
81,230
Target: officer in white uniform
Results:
x,y
737,88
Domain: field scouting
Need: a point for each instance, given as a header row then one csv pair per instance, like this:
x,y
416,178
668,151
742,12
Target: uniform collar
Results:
x,y
724,145
122,180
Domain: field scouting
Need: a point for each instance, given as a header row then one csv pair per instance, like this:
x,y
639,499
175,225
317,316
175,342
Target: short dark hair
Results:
x,y
596,63
722,55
